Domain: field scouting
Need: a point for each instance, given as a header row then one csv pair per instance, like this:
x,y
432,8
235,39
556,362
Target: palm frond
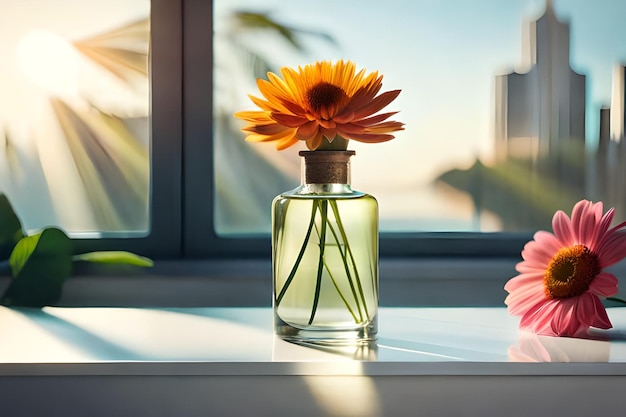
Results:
x,y
117,61
123,51
248,20
241,206
112,166
14,163
257,64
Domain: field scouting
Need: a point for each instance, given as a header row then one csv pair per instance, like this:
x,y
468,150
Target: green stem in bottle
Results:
x,y
320,262
342,231
332,278
617,300
294,269
347,268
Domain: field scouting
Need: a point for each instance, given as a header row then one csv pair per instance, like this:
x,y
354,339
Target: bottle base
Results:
x,y
365,334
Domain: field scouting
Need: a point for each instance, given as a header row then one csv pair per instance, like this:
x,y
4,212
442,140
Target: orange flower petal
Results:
x,y
319,101
374,119
351,128
346,117
266,129
265,105
365,93
376,104
289,133
366,137
289,120
328,124
308,131
253,115
287,142
281,87
315,142
386,127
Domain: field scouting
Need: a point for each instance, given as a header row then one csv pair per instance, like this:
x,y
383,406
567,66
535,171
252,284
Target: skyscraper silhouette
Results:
x,y
542,111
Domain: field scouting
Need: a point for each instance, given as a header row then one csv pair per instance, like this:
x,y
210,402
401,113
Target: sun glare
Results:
x,y
346,395
49,62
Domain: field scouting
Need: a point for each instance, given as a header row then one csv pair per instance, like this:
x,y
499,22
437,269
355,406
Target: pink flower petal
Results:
x,y
538,318
555,317
590,223
523,299
592,312
565,321
525,267
537,254
534,279
604,285
612,249
578,216
562,227
548,242
601,230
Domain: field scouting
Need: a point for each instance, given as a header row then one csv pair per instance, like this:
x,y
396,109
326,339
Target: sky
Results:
x,y
444,56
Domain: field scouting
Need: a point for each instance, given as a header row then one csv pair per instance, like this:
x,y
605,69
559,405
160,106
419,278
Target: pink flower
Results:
x,y
562,277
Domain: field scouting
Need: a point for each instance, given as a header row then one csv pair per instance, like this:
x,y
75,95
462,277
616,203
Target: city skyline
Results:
x,y
443,56
542,160
542,110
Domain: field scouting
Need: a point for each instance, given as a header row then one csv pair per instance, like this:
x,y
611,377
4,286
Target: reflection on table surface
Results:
x,y
68,335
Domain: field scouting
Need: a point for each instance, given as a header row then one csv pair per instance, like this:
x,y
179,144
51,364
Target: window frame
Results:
x,y
163,240
182,168
199,237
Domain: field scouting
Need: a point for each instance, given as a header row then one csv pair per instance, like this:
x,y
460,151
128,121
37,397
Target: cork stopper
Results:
x,y
326,167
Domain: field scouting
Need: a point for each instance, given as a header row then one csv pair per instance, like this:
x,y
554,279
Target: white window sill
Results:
x,y
226,361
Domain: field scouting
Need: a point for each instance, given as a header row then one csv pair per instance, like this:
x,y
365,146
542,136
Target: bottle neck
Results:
x,y
325,168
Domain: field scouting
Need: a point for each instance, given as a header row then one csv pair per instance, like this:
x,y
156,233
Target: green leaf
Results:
x,y
40,264
10,228
115,257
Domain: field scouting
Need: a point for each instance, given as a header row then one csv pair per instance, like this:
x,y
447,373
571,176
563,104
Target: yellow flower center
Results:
x,y
570,272
323,96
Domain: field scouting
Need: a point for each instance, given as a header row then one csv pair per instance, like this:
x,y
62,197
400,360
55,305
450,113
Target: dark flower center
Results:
x,y
570,272
323,96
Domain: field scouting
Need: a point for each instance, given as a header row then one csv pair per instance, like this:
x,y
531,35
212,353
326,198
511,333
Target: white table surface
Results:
x,y
198,362
236,341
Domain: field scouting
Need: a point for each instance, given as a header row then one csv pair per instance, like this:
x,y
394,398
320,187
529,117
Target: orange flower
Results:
x,y
320,101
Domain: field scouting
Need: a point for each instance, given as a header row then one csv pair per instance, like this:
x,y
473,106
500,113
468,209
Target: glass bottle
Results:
x,y
325,255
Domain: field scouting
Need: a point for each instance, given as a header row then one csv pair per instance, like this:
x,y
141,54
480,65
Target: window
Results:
x,y
494,142
504,105
166,78
82,127
75,114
